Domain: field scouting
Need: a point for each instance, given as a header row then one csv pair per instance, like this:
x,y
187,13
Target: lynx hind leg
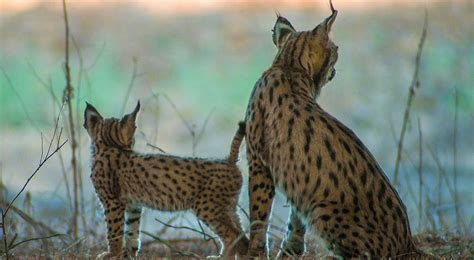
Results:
x,y
261,195
342,229
221,218
132,234
240,245
294,244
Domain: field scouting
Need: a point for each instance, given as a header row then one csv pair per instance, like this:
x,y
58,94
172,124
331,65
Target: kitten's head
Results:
x,y
111,132
312,51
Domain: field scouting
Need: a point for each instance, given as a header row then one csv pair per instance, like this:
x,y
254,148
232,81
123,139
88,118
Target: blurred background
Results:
x,y
193,64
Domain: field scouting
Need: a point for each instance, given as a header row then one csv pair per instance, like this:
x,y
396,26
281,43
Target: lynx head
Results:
x,y
311,51
110,132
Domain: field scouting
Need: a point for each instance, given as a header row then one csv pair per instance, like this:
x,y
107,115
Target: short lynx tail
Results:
x,y
236,142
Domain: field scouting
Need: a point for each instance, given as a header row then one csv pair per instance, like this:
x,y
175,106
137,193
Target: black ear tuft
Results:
x,y
281,30
327,23
137,108
91,116
130,118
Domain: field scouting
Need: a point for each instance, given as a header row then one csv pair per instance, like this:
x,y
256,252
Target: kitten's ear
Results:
x,y
129,119
91,117
326,25
281,30
128,124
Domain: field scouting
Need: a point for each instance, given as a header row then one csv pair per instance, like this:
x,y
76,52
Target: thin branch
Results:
x,y
413,86
170,246
459,218
67,97
441,170
207,237
78,125
42,148
44,157
23,106
37,225
185,122
34,239
244,211
420,174
191,128
130,85
4,234
186,228
203,128
155,147
47,156
47,86
13,240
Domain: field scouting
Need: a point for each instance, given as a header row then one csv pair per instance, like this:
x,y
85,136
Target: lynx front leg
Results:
x,y
261,193
114,216
293,245
132,236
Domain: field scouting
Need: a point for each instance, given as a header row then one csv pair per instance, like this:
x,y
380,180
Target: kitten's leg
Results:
x,y
132,235
222,223
242,246
114,212
217,209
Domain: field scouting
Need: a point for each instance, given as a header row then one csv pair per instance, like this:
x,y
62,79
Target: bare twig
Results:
x,y
34,239
191,128
47,156
204,125
206,236
185,122
155,147
429,206
411,95
29,219
441,170
170,246
67,97
420,174
4,234
130,85
189,228
244,211
44,158
57,102
23,106
156,118
459,218
80,73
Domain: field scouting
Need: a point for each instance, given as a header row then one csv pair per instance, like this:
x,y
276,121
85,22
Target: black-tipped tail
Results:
x,y
236,142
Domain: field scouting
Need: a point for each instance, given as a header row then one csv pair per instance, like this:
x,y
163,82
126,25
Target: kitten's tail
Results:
x,y
235,146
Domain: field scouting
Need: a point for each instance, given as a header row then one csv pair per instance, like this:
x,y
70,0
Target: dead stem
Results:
x,y
67,97
130,85
420,175
411,95
44,157
459,218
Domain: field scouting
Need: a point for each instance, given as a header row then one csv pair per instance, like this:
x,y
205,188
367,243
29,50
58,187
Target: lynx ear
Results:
x,y
128,125
91,117
281,30
129,119
327,23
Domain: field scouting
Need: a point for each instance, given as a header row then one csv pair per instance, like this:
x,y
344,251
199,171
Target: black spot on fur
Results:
x,y
334,179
